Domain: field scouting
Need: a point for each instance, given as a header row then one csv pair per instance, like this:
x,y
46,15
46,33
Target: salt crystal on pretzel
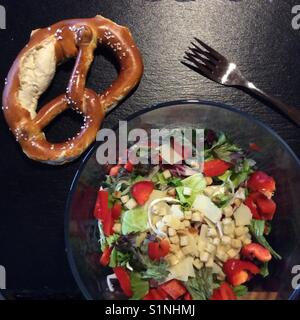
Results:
x,y
34,69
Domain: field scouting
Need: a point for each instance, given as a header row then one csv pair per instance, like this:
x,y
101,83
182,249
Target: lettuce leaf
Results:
x,y
118,258
135,220
196,182
139,286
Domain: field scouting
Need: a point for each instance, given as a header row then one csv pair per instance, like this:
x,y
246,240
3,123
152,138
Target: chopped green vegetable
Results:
x,y
174,182
139,286
264,270
240,290
134,220
201,287
257,228
118,258
112,239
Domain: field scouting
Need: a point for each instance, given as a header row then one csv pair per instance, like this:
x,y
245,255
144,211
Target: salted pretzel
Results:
x,y
34,69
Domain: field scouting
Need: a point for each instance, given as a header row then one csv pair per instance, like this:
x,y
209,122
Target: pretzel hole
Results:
x,y
64,126
105,69
59,82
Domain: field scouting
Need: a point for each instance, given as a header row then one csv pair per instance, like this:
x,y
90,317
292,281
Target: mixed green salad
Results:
x,y
173,232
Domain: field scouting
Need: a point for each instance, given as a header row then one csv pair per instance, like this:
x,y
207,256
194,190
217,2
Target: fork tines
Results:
x,y
205,58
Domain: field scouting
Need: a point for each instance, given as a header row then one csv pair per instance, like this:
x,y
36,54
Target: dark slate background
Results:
x,y
257,35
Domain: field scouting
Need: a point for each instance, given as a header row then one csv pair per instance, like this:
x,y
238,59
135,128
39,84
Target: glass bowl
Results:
x,y
81,234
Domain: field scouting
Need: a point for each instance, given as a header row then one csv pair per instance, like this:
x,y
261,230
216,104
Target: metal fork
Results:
x,y
216,67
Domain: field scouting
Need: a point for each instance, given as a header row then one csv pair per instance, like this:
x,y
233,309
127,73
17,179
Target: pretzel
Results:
x,y
34,69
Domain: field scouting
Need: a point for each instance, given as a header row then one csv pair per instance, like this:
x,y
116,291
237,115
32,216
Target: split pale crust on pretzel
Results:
x,y
34,69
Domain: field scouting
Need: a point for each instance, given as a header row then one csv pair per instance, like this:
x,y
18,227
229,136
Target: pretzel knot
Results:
x,y
34,69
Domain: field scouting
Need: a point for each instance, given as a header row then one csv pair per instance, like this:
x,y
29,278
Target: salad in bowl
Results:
x,y
187,232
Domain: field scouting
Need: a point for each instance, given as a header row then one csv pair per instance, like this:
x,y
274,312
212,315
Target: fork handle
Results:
x,y
291,112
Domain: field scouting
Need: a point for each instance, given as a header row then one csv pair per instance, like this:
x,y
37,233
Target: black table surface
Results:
x,y
257,35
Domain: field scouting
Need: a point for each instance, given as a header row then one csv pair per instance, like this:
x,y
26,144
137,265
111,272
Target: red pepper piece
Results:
x,y
124,280
155,294
216,167
101,207
162,294
141,191
224,292
260,181
239,271
105,257
255,250
174,289
187,296
116,211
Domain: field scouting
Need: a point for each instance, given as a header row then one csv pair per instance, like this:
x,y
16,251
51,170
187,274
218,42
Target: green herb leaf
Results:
x,y
257,228
201,287
139,286
155,270
240,290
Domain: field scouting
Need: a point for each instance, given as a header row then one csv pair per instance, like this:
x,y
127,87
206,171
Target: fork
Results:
x,y
211,64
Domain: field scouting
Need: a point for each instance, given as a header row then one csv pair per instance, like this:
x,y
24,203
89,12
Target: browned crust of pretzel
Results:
x,y
71,38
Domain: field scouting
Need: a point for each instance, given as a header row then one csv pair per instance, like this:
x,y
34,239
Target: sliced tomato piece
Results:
x,y
124,280
115,170
224,292
250,202
262,208
141,191
174,288
260,181
101,206
164,247
116,211
128,166
154,250
255,250
158,250
108,223
105,257
266,207
216,167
